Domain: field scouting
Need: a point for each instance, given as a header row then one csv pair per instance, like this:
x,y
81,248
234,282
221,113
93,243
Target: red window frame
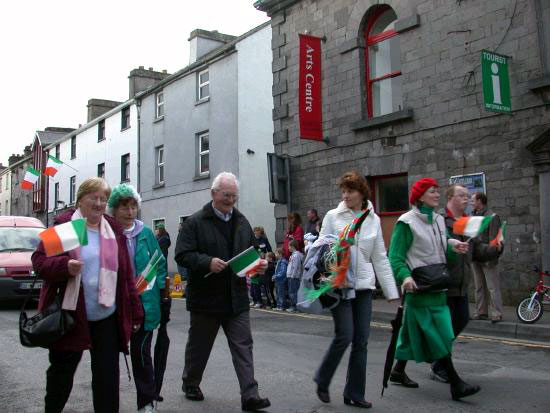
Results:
x,y
369,41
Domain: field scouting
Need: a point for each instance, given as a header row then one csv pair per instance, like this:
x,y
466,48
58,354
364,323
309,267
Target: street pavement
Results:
x,y
514,376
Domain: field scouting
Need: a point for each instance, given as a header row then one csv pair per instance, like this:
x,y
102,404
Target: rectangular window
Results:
x,y
125,168
160,165
101,130
73,147
204,154
203,80
72,189
159,113
56,196
101,170
57,152
125,118
157,221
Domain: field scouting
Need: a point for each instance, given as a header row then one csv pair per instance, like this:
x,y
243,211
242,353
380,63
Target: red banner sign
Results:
x,y
311,102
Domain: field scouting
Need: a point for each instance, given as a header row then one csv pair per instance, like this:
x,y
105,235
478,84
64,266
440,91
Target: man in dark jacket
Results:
x,y
486,278
459,267
312,220
216,296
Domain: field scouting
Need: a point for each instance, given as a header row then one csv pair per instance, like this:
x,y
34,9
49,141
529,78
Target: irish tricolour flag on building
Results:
x,y
52,166
31,176
246,262
471,226
64,237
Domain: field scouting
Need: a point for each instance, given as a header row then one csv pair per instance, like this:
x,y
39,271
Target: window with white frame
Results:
x,y
73,147
56,196
57,151
101,130
203,81
125,118
203,153
125,168
159,112
158,221
160,165
72,189
101,170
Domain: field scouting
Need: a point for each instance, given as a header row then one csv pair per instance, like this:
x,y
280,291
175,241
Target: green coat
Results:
x,y
427,331
146,245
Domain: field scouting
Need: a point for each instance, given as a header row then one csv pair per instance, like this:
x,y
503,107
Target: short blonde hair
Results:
x,y
92,185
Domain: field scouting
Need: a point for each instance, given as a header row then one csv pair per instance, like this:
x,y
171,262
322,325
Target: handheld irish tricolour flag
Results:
x,y
147,278
31,176
64,237
500,236
471,226
246,263
52,166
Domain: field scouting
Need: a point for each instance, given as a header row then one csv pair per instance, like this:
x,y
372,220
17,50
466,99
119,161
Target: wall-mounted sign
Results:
x,y
496,82
311,102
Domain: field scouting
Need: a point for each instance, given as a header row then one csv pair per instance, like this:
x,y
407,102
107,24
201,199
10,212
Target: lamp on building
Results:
x,y
250,151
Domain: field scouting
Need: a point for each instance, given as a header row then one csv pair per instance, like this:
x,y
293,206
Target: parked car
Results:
x,y
18,240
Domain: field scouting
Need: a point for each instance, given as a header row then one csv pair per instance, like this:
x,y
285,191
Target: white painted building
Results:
x,y
5,191
106,146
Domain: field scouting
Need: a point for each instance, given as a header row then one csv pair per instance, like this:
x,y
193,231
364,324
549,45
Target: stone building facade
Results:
x,y
428,118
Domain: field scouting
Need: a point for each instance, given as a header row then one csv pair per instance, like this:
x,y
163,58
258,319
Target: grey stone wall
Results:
x,y
449,132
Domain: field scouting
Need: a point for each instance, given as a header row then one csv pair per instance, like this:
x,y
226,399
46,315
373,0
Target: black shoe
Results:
x,y
363,404
253,405
160,398
462,389
439,375
323,395
193,393
402,378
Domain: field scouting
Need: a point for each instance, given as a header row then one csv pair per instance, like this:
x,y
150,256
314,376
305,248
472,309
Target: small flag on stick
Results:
x,y
471,226
147,279
64,237
52,166
31,176
246,262
500,235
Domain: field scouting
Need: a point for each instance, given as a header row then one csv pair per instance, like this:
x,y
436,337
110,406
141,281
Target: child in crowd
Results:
x,y
267,282
255,288
294,274
280,279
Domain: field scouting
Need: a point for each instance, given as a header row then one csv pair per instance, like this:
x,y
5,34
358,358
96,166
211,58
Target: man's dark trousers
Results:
x,y
202,334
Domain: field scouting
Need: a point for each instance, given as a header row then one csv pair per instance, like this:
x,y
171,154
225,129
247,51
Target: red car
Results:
x,y
18,240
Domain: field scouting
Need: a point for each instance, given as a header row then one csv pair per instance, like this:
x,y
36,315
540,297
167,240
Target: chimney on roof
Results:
x,y
141,79
203,41
97,107
14,158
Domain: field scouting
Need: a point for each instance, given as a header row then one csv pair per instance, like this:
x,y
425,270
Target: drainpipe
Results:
x,y
138,107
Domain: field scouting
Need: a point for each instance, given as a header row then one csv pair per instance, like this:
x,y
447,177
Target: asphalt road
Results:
x,y
287,350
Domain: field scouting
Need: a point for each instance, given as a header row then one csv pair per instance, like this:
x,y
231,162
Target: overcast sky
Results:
x,y
57,54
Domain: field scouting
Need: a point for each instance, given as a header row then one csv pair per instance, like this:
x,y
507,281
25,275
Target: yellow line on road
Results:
x,y
387,326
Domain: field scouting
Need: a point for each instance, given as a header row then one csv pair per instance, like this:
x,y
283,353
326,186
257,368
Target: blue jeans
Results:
x,y
293,287
351,326
281,288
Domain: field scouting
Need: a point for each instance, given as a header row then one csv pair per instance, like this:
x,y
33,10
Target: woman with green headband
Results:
x,y
124,204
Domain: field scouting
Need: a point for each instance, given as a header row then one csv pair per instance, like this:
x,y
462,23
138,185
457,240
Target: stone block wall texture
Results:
x,y
449,133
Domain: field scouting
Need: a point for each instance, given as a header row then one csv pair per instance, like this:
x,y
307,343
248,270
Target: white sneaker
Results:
x,y
147,409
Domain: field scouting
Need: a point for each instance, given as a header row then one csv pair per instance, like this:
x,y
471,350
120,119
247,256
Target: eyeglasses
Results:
x,y
95,199
228,195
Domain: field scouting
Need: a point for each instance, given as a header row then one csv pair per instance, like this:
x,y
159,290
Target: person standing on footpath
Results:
x,y
460,268
97,286
352,315
420,239
163,238
486,277
312,220
124,204
293,232
209,238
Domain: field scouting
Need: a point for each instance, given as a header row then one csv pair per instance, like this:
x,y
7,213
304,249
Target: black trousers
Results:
x,y
142,367
202,334
105,370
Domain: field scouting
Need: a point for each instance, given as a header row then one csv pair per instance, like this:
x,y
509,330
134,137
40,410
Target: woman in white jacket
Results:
x,y
352,316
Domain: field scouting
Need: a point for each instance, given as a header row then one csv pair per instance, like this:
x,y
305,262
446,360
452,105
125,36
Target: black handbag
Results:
x,y
46,327
433,277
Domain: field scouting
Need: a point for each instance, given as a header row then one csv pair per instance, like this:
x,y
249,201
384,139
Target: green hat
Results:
x,y
120,192
160,226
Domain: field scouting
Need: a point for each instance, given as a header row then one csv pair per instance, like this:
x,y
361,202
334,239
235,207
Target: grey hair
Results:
x,y
224,176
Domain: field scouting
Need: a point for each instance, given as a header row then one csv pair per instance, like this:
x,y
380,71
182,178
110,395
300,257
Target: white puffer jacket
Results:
x,y
370,259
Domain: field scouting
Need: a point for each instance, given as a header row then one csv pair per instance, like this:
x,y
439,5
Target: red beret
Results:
x,y
420,187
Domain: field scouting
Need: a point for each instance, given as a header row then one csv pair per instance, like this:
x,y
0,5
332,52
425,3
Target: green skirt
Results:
x,y
427,331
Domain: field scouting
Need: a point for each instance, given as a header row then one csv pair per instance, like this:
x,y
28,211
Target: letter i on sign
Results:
x,y
496,84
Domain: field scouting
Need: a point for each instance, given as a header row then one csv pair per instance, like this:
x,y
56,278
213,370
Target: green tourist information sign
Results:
x,y
496,82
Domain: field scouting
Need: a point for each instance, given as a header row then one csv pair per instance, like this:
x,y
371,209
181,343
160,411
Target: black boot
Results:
x,y
399,376
459,388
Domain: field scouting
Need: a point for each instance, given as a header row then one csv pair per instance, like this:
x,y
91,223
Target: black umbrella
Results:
x,y
163,341
390,355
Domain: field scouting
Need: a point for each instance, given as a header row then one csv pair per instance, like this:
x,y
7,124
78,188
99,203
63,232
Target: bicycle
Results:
x,y
530,310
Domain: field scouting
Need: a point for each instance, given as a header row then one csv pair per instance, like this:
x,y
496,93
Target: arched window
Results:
x,y
383,63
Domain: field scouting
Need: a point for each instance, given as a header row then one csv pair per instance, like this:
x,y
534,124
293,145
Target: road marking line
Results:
x,y
386,326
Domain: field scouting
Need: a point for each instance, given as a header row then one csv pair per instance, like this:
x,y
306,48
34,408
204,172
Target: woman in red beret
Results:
x,y
420,239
